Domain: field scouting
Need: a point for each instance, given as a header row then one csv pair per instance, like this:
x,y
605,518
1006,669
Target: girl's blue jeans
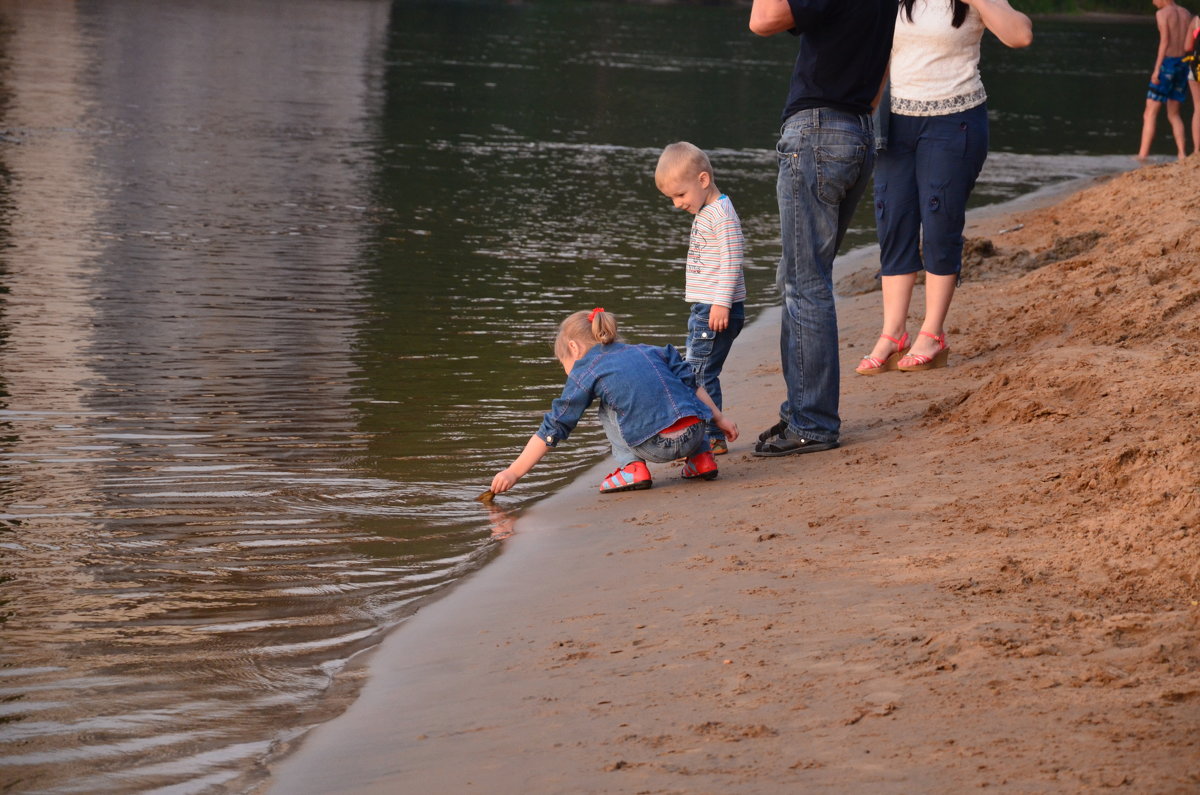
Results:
x,y
825,161
922,182
658,448
707,351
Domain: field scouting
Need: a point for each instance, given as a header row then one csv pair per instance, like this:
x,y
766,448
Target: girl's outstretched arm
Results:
x,y
535,448
727,426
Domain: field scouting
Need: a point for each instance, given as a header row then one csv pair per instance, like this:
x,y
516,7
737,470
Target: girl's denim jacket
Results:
x,y
648,388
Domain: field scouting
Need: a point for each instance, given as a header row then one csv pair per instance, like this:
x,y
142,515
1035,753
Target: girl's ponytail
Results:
x,y
604,326
586,328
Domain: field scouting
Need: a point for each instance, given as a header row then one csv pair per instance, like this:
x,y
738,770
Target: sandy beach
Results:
x,y
994,582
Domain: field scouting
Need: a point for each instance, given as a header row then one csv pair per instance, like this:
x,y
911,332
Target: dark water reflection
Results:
x,y
277,284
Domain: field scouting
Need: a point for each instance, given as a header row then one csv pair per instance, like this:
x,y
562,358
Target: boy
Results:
x,y
1168,81
714,281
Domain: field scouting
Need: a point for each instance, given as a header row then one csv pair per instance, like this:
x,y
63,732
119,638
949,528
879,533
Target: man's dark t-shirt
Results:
x,y
844,50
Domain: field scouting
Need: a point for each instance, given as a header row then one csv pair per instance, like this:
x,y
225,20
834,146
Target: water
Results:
x,y
277,286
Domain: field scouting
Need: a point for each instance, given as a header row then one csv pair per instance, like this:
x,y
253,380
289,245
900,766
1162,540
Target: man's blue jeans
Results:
x,y
707,351
825,161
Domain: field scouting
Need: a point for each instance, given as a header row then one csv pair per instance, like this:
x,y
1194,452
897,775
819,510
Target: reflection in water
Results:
x,y
186,558
503,522
278,281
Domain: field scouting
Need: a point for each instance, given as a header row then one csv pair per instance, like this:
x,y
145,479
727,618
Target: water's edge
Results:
x,y
359,669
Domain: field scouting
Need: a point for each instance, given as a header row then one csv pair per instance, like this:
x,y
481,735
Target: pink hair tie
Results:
x,y
592,314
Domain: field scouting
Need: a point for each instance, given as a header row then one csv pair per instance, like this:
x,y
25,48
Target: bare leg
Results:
x,y
897,293
939,292
1175,117
1149,120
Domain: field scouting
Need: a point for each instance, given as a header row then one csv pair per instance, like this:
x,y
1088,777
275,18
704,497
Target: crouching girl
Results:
x,y
651,407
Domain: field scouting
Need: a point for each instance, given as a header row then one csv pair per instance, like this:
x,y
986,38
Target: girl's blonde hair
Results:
x,y
586,328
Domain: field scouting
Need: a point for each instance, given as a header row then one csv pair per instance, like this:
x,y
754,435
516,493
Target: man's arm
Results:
x,y
768,17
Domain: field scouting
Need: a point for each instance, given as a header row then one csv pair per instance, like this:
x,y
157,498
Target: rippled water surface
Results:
x,y
277,287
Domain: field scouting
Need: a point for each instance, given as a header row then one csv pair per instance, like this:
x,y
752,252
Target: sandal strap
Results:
x,y
940,339
921,358
899,343
774,430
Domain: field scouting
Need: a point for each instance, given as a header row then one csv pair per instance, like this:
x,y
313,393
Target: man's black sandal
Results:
x,y
775,430
781,445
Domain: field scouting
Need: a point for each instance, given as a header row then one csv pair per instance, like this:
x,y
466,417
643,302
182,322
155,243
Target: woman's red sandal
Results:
x,y
911,362
871,365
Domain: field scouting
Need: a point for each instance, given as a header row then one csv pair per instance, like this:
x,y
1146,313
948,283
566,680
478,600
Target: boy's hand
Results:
x,y
503,481
718,317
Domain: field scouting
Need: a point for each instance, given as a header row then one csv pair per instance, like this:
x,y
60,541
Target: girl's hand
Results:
x,y
728,427
535,448
503,481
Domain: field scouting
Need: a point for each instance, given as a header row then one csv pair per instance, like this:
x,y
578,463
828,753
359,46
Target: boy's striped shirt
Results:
x,y
714,260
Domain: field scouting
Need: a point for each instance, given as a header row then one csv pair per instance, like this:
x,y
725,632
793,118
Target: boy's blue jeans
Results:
x,y
708,349
657,448
825,161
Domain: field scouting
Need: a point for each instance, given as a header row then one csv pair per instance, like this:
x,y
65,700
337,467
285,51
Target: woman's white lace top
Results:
x,y
935,67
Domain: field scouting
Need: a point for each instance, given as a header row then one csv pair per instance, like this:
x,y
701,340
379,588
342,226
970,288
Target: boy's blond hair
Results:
x,y
682,155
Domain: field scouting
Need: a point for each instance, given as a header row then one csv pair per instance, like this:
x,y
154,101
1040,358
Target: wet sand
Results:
x,y
994,582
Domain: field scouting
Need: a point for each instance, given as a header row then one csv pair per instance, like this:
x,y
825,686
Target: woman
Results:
x,y
936,144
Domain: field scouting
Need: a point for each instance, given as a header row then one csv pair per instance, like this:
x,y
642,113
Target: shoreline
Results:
x,y
787,625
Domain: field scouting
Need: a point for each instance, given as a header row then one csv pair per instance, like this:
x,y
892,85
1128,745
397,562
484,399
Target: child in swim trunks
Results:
x,y
1168,80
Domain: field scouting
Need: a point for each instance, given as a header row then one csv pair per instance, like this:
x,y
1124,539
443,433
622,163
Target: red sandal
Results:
x,y
631,477
870,365
912,362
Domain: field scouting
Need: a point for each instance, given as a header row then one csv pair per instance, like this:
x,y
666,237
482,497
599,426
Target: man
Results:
x,y
826,154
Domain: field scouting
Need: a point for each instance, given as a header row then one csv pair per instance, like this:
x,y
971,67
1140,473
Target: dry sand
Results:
x,y
992,583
